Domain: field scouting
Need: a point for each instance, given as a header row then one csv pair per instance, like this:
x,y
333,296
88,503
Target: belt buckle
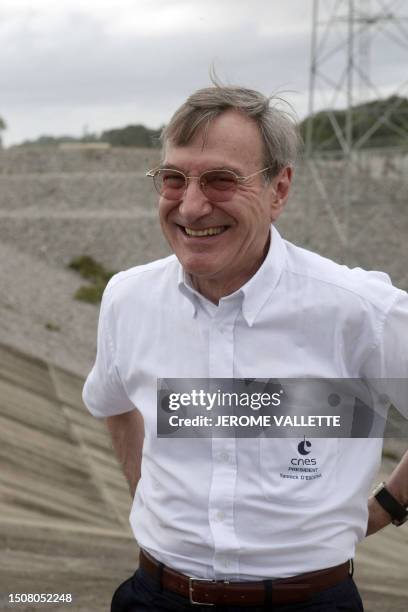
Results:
x,y
191,588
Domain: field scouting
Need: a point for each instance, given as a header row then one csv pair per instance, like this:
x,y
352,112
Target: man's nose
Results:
x,y
194,203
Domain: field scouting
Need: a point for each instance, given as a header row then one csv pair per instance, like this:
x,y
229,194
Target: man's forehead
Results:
x,y
231,138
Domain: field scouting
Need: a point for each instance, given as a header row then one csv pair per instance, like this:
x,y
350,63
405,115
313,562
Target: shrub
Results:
x,y
87,267
95,273
90,293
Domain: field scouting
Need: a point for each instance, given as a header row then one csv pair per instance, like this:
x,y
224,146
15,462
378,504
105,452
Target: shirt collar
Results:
x,y
260,287
256,291
186,288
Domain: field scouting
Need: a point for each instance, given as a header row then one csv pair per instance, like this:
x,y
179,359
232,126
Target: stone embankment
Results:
x,y
56,205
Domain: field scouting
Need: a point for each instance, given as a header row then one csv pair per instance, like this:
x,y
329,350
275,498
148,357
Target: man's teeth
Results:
x,y
210,231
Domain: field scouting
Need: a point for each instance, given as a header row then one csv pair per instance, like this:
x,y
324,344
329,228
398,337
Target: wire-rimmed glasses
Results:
x,y
216,185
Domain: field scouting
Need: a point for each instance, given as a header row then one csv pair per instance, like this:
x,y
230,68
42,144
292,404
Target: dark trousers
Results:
x,y
141,593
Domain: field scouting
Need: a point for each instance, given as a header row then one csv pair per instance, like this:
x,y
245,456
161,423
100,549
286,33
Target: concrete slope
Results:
x,y
64,503
56,459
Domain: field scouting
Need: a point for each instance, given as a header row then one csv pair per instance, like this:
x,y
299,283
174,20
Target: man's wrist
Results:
x,y
397,491
390,503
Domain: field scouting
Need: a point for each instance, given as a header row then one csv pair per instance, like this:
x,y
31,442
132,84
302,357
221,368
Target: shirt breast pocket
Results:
x,y
298,470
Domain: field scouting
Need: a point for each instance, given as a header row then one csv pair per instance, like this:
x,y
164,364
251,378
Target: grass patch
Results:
x,y
90,269
94,272
90,293
52,327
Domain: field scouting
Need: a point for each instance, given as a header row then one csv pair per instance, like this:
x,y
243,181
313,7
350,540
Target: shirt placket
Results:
x,y
224,474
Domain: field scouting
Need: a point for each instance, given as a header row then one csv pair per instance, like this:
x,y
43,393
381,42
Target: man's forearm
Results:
x,y
127,432
397,485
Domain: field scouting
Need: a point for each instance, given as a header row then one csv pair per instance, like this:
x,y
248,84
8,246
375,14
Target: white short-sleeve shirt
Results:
x,y
218,508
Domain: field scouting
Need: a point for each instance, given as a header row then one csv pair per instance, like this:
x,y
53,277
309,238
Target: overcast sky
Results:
x,y
68,66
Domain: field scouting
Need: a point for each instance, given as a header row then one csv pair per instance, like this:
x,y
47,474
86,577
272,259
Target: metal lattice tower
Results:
x,y
356,48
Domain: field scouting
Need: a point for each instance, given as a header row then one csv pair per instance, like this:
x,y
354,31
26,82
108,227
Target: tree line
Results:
x,y
390,117
386,122
129,136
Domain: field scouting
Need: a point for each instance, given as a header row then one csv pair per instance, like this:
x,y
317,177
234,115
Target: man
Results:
x,y
216,522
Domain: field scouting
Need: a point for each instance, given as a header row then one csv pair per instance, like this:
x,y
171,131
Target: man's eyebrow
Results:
x,y
237,171
234,169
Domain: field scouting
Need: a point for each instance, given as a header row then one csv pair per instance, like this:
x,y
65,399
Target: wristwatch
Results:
x,y
398,512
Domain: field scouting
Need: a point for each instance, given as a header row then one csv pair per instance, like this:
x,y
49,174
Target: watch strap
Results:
x,y
395,509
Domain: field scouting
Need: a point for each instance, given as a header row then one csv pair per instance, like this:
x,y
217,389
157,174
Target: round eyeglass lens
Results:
x,y
169,183
218,185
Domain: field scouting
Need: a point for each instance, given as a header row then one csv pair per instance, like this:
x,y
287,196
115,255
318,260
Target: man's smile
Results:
x,y
203,232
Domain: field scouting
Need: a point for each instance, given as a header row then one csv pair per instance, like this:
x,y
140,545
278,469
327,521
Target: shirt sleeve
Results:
x,y
104,393
387,365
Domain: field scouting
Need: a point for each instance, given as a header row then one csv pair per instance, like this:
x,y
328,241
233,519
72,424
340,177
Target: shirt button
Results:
x,y
224,456
220,515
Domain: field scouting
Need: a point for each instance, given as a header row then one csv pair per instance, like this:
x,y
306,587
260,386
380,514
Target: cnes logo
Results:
x,y
304,448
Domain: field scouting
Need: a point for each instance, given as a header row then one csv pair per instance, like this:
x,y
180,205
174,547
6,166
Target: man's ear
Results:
x,y
280,188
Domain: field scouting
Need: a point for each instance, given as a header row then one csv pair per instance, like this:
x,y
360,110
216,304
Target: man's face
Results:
x,y
225,260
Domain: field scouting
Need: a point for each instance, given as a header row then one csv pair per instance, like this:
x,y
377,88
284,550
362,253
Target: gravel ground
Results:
x,y
39,315
56,205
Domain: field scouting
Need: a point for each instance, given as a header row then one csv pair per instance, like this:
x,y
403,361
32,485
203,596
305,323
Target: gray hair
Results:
x,y
278,129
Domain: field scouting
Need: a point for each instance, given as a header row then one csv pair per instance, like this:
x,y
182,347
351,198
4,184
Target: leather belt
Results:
x,y
223,592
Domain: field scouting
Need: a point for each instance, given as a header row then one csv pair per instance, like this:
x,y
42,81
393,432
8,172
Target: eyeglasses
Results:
x,y
216,185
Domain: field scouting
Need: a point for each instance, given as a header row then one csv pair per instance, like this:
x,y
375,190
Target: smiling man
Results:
x,y
219,521
220,229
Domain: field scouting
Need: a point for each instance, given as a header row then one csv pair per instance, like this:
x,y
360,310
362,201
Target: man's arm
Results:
x,y
127,432
397,485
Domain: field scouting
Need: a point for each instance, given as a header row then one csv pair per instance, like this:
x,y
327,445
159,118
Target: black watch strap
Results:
x,y
398,512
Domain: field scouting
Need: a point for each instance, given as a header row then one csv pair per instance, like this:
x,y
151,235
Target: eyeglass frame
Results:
x,y
239,179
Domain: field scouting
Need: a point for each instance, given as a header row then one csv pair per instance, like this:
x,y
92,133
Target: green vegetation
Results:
x,y
90,293
129,136
54,327
95,273
87,267
132,136
54,141
389,132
